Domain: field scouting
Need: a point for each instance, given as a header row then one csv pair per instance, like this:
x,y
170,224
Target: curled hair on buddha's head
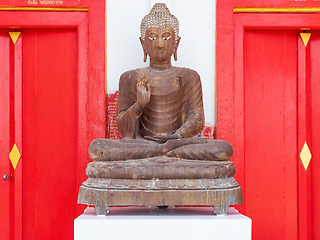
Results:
x,y
159,17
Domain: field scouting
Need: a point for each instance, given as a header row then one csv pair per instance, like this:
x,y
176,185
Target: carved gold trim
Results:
x,y
56,9
275,9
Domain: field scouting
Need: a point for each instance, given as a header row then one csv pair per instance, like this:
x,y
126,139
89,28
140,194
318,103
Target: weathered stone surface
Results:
x,y
161,168
161,184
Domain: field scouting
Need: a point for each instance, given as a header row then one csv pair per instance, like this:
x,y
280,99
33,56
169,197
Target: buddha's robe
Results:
x,y
175,106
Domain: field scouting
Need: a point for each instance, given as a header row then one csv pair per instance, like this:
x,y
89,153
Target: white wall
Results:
x,y
196,50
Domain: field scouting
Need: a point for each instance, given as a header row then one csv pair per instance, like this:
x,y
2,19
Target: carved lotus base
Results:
x,y
102,193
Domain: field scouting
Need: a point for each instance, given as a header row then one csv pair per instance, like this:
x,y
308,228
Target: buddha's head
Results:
x,y
159,34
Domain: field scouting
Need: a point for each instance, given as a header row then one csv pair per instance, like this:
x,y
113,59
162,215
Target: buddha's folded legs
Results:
x,y
116,150
212,150
187,148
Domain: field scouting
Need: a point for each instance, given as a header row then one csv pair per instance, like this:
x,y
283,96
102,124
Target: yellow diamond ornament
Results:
x,y
14,156
305,156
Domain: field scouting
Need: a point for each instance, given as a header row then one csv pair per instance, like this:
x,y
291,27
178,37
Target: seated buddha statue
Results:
x,y
161,159
160,108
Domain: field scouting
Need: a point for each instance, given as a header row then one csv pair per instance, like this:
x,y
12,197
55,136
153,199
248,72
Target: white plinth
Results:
x,y
172,223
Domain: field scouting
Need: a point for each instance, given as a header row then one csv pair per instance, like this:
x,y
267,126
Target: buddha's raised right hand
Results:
x,y
143,92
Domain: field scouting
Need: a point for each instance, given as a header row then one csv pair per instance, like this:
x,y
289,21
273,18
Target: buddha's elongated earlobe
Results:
x,y
175,54
144,50
145,56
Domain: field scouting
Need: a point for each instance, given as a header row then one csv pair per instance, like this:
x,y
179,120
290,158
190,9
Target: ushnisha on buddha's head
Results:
x,y
159,36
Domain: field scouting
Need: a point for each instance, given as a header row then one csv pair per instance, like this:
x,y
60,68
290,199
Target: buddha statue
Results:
x,y
160,108
160,116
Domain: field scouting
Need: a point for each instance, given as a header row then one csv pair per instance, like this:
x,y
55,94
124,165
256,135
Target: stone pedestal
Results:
x,y
171,223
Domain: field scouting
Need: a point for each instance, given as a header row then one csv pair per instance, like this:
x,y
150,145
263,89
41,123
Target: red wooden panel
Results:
x,y
237,111
226,51
304,176
40,19
16,137
231,113
4,135
92,74
270,68
314,166
229,49
90,99
87,88
49,133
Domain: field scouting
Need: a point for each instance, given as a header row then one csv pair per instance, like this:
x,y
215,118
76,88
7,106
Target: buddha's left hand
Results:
x,y
163,138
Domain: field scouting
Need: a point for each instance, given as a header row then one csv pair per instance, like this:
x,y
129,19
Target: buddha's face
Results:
x,y
160,44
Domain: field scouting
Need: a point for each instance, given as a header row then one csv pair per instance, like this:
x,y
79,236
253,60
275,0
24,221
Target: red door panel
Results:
x,y
4,136
268,85
276,110
315,132
52,106
270,78
49,112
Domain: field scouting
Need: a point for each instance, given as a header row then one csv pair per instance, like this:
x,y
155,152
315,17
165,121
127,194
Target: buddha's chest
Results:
x,y
166,96
162,86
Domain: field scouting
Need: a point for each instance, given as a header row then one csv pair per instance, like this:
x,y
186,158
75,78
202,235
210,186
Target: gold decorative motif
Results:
x,y
57,9
305,38
305,156
14,36
32,2
14,156
276,10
